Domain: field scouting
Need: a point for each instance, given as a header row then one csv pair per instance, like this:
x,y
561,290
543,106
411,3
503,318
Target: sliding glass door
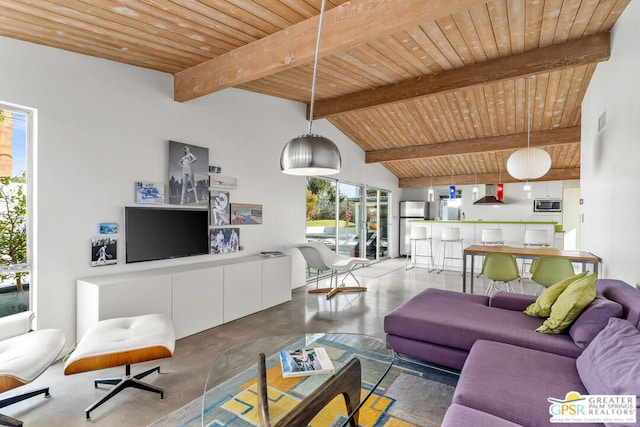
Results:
x,y
339,217
377,224
350,219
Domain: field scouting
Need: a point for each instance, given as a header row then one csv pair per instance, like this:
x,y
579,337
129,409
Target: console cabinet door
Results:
x,y
197,300
242,289
276,281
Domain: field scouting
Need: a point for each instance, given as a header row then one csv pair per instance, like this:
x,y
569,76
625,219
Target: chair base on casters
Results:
x,y
128,381
6,420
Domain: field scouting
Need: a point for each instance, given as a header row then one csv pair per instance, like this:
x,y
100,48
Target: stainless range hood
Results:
x,y
490,196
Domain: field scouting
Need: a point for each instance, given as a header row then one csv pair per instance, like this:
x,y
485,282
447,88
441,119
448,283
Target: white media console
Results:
x,y
195,296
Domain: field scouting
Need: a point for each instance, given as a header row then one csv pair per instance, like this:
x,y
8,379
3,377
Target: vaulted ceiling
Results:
x,y
427,88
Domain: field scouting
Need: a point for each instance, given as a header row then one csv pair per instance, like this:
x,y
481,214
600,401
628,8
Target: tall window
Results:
x,y
15,135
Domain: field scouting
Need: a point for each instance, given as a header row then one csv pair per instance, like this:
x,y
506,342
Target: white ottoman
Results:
x,y
123,341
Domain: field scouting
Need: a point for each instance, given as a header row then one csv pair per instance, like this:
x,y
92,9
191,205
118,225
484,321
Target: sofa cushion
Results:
x,y
457,320
610,363
624,294
569,305
542,305
511,301
593,320
458,415
513,383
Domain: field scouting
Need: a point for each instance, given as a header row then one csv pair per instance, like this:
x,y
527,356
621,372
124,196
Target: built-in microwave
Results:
x,y
547,205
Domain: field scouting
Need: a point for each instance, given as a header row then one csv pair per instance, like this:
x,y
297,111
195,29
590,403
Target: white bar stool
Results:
x,y
450,236
419,234
534,239
490,237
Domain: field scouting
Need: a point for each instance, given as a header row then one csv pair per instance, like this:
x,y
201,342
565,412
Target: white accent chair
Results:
x,y
24,355
320,257
123,341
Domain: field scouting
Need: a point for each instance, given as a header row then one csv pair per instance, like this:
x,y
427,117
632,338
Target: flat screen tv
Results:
x,y
153,233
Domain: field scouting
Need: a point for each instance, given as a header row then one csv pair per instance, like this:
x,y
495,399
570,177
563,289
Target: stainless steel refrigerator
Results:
x,y
409,210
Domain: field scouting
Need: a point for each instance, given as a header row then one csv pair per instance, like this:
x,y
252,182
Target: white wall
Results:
x,y
103,125
515,207
610,172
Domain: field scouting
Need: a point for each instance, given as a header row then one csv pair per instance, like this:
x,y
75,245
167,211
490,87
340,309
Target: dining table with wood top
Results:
x,y
472,251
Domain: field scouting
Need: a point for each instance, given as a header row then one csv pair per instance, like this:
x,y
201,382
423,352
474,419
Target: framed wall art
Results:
x,y
188,174
221,181
244,213
220,208
108,228
149,192
225,240
104,251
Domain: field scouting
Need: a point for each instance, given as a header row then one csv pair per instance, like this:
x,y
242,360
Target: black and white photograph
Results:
x,y
220,208
188,174
149,192
104,251
221,181
225,240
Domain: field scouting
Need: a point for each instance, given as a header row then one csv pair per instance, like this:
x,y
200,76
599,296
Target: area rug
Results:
x,y
377,270
411,394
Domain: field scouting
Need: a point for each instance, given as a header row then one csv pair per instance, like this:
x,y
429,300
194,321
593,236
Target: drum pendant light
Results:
x,y
311,154
529,163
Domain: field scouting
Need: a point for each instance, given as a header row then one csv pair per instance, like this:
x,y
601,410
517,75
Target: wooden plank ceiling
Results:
x,y
430,89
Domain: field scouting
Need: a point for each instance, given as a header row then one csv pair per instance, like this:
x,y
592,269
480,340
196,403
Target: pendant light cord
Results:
x,y
315,67
529,111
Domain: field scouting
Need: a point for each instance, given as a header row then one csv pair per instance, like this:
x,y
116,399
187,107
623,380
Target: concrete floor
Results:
x,y
183,376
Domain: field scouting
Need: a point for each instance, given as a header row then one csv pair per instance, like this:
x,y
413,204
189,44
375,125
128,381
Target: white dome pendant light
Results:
x,y
311,154
531,162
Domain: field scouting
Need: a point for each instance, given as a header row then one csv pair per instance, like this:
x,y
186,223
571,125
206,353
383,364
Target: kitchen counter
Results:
x,y
471,233
484,222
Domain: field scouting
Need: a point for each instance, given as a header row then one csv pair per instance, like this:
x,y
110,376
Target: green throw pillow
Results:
x,y
570,304
542,305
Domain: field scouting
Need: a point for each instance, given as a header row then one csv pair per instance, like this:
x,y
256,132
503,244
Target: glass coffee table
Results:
x,y
231,392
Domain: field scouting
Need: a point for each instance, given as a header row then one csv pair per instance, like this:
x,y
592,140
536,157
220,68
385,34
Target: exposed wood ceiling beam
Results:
x,y
488,178
472,146
350,23
595,48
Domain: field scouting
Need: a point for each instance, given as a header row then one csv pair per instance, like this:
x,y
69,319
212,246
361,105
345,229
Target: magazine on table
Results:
x,y
305,361
272,254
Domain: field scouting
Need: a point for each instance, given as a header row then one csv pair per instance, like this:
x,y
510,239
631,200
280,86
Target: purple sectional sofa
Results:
x,y
508,371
